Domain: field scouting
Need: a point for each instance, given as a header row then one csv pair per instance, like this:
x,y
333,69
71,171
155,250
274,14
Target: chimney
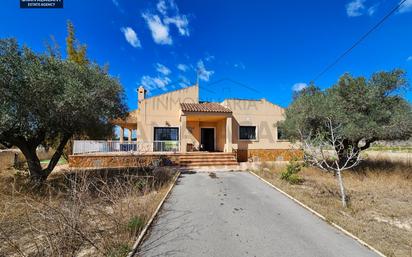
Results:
x,y
141,93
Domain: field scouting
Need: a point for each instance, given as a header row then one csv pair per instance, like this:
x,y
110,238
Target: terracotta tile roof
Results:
x,y
131,118
204,107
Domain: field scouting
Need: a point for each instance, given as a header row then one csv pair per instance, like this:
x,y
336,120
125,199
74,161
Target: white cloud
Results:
x,y
160,81
160,31
160,22
209,57
116,3
299,86
182,67
355,8
409,58
181,23
131,36
372,9
184,82
162,69
161,7
406,7
239,65
152,83
202,72
358,8
167,6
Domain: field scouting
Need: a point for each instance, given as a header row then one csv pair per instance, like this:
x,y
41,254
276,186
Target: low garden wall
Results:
x,y
268,155
118,160
8,158
14,157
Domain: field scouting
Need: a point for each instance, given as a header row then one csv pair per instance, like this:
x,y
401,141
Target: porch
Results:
x,y
127,126
205,127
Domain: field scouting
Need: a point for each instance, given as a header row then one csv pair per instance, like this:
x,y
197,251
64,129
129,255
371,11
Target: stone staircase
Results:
x,y
207,159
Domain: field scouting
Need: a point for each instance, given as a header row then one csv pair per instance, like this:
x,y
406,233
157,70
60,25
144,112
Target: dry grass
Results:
x,y
83,213
380,210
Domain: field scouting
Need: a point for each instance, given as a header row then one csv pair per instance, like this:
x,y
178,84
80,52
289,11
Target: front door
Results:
x,y
208,139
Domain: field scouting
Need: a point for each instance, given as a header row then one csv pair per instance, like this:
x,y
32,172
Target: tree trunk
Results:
x,y
56,156
37,174
33,162
342,188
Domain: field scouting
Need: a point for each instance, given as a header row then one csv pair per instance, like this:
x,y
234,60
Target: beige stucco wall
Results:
x,y
193,129
163,111
220,135
262,114
194,132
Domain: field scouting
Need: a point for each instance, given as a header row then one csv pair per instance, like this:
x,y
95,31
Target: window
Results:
x,y
166,134
281,134
247,133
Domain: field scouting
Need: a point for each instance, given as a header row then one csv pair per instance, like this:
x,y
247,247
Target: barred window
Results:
x,y
166,134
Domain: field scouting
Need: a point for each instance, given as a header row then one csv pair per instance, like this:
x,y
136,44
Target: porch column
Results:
x,y
229,146
129,138
121,134
183,128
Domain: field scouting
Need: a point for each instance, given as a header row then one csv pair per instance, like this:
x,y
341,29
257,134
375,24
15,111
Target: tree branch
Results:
x,y
367,144
56,156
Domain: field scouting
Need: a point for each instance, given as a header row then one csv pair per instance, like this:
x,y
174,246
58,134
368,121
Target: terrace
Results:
x,y
135,147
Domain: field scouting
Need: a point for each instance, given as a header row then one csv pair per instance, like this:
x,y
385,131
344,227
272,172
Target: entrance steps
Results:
x,y
207,159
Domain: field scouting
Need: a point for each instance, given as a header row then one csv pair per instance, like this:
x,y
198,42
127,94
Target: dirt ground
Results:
x,y
82,213
380,210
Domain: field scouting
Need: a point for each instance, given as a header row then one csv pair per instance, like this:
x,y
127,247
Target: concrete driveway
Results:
x,y
236,214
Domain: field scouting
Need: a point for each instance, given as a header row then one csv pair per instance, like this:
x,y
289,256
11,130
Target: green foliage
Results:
x,y
291,173
120,250
75,52
135,224
365,110
47,100
141,184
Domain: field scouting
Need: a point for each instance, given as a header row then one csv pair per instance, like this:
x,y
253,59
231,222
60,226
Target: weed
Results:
x,y
54,220
379,189
120,250
141,184
162,175
291,172
135,224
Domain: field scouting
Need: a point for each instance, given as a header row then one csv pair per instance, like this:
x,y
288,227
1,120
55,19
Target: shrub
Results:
x,y
135,224
291,172
120,250
162,175
141,184
54,219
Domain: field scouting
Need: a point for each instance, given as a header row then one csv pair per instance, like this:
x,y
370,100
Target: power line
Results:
x,y
359,40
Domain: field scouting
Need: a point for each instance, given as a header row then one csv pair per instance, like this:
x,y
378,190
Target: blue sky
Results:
x,y
242,49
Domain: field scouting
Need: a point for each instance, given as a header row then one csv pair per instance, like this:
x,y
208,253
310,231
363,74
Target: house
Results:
x,y
178,122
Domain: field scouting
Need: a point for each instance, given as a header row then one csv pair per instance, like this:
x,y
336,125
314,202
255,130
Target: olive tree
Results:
x,y
366,110
335,125
46,99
